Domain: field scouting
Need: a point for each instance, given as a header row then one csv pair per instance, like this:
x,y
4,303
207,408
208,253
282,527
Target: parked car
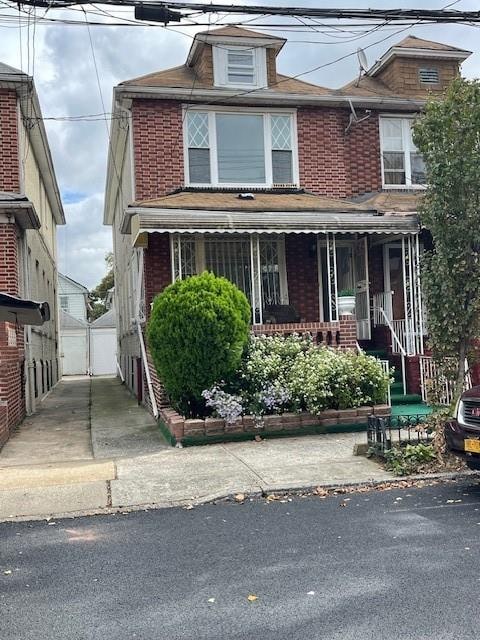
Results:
x,y
462,432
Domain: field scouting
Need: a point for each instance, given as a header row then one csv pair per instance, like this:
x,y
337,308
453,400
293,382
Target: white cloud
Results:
x,y
67,85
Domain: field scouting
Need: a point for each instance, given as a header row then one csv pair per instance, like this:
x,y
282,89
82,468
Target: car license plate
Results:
x,y
472,445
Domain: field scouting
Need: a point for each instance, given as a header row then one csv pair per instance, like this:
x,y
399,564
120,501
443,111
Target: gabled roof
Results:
x,y
106,320
74,282
412,46
7,70
69,322
239,32
412,42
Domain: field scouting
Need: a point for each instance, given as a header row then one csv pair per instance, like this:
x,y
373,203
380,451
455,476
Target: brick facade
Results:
x,y
9,157
12,405
158,147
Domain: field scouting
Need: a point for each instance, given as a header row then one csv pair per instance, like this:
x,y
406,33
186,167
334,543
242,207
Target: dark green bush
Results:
x,y
197,332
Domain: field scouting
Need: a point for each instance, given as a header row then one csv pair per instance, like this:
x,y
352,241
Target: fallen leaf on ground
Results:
x,y
258,439
343,504
272,497
239,497
320,491
188,507
7,572
251,597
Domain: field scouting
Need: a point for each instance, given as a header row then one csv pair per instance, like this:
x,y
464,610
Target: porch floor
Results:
x,y
411,410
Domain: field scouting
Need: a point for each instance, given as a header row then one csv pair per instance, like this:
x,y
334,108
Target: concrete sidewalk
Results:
x,y
92,448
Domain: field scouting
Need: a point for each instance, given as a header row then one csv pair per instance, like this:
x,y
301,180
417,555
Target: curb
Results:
x,y
262,492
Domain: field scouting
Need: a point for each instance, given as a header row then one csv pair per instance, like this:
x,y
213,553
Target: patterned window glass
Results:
x,y
282,161
198,147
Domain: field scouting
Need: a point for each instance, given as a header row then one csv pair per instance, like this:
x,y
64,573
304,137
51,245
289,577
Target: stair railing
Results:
x,y
146,368
395,341
386,367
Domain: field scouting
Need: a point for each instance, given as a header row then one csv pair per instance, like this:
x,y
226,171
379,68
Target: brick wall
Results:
x,y
157,267
321,151
11,339
9,156
158,147
302,275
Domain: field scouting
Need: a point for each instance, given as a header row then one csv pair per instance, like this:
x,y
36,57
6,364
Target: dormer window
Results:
x,y
235,66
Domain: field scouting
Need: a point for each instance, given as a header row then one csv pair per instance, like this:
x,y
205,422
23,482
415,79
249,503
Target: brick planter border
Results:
x,y
177,428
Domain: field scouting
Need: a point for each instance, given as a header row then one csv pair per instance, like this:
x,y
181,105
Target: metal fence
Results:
x,y
386,433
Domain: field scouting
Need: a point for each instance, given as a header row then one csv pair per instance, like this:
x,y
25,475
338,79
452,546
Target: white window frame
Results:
x,y
220,67
406,152
212,136
66,299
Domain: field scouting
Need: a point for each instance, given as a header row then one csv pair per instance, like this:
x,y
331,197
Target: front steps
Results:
x,y
405,404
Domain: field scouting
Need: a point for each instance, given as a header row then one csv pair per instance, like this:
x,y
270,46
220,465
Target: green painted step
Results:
x,y
396,388
409,398
378,353
411,410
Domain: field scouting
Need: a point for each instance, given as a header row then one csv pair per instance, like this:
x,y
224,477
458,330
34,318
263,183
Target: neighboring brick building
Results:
x,y
293,191
30,209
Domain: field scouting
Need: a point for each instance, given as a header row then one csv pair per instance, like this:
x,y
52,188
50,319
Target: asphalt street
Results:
x,y
378,565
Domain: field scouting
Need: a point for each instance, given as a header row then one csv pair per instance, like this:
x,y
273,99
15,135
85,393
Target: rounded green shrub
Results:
x,y
197,332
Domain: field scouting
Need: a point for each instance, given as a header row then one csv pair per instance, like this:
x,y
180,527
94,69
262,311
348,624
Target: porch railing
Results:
x,y
436,387
383,301
397,346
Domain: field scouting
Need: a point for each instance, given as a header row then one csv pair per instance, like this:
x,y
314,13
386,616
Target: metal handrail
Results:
x,y
151,392
402,351
386,367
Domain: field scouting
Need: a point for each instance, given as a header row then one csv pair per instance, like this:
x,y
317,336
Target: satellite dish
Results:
x,y
362,59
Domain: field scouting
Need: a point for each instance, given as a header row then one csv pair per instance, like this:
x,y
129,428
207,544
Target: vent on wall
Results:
x,y
429,76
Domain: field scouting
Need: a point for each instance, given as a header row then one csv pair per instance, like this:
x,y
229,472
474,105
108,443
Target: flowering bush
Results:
x,y
279,374
225,405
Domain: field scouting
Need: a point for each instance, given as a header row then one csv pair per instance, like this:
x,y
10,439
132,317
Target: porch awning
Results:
x,y
144,221
19,311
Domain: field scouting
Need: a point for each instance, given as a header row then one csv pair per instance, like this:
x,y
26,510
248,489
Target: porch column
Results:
x,y
256,279
332,288
412,294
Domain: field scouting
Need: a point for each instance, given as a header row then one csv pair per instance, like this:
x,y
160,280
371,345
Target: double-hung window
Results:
x,y
228,148
239,67
402,163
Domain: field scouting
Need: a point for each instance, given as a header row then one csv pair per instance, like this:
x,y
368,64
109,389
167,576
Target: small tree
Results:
x,y
98,295
197,332
448,136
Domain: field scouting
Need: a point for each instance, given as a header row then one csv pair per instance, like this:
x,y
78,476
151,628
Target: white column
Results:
x,y
332,277
256,279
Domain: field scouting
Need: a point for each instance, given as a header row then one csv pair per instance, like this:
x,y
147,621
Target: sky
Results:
x,y
75,69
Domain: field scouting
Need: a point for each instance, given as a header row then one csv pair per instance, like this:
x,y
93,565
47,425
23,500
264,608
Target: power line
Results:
x,y
390,15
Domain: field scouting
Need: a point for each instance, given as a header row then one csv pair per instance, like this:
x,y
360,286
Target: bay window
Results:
x,y
402,163
228,148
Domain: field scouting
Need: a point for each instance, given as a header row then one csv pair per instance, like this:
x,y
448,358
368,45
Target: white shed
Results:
x,y
103,345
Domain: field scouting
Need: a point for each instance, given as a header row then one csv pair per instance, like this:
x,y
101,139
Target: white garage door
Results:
x,y
103,345
74,349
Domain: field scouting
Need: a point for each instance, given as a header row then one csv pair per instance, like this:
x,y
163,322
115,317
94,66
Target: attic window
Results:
x,y
429,76
239,66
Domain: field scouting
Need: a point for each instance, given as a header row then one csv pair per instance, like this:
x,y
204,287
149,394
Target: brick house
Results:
x,y
295,192
30,210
